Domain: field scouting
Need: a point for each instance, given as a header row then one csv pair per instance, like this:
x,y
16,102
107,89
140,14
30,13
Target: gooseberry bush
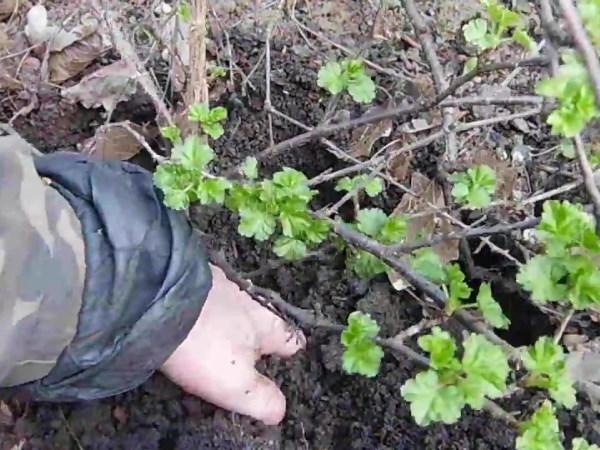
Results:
x,y
466,373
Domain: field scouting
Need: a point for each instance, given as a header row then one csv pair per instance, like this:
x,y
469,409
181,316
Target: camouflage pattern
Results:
x,y
42,267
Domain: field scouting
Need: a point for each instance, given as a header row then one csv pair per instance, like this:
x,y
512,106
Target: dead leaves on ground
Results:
x,y
423,222
105,87
116,142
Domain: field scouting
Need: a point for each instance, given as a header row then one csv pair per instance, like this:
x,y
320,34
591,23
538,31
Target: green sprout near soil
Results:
x,y
347,75
440,393
474,187
372,186
209,119
500,26
362,355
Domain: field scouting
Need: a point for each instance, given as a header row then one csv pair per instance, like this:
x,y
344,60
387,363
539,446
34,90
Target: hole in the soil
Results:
x,y
528,323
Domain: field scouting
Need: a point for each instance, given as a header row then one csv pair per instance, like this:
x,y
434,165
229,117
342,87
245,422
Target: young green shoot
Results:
x,y
372,186
474,187
209,119
546,364
348,75
362,355
440,393
541,431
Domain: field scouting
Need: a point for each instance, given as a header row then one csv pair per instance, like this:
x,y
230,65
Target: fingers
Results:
x,y
275,335
263,401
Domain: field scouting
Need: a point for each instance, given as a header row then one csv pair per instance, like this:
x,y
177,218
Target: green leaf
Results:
x,y
359,326
490,308
458,289
567,149
441,347
370,221
470,65
317,231
212,190
542,277
250,168
330,78
289,248
565,225
427,262
292,183
362,355
524,40
585,285
475,32
199,112
256,223
541,432
365,265
374,187
362,88
575,94
393,230
176,199
217,114
214,130
431,401
546,363
486,368
582,444
294,222
171,133
475,186
589,10
193,154
185,12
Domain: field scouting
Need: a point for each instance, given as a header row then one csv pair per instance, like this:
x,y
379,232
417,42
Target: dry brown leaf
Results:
x,y
363,138
423,225
506,175
114,142
7,7
106,87
399,166
75,58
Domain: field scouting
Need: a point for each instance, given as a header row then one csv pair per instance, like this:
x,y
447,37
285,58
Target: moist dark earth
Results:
x,y
327,409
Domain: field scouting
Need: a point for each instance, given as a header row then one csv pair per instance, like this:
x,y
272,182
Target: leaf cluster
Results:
x,y
574,92
184,180
349,75
385,229
500,25
372,186
567,270
277,206
474,187
547,368
362,355
440,393
426,262
209,119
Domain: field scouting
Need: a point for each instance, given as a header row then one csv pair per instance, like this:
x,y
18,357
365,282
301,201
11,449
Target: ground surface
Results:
x,y
326,408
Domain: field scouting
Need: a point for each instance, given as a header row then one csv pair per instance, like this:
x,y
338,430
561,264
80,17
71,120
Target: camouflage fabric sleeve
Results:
x,y
42,268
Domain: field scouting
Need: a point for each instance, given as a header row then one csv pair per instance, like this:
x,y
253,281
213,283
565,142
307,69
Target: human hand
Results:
x,y
216,360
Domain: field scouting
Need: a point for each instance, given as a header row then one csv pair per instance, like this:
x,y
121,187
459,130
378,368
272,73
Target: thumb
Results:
x,y
264,401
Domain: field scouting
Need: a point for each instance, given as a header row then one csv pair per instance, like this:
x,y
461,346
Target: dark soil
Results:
x,y
327,409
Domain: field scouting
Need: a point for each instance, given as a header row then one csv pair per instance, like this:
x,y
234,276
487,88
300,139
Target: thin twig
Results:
x,y
588,177
267,105
424,35
397,112
563,326
471,233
